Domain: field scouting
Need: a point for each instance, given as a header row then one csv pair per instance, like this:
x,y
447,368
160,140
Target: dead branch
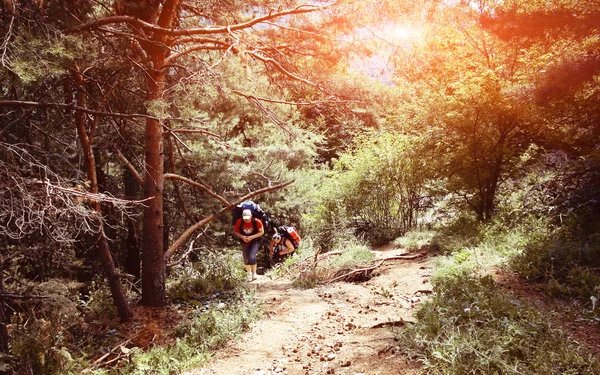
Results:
x,y
367,270
22,103
406,257
121,345
206,189
183,130
328,254
395,323
190,249
356,271
178,194
96,197
4,296
131,168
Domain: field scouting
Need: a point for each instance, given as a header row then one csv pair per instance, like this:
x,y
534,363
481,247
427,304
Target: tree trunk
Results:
x,y
108,264
153,263
4,337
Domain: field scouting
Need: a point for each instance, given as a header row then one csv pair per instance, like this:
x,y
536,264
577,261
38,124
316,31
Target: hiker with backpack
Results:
x,y
285,241
249,230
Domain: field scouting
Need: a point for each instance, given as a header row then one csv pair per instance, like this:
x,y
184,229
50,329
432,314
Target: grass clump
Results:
x,y
414,240
309,269
219,272
471,327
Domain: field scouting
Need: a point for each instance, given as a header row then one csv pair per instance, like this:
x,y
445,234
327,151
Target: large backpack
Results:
x,y
291,233
257,212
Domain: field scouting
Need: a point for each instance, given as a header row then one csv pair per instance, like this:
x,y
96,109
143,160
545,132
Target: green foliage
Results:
x,y
471,327
98,302
200,333
566,259
35,57
310,274
44,341
214,272
377,190
461,232
325,219
353,254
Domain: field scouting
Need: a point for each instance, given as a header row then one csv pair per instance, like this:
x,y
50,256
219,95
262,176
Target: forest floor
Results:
x,y
350,328
337,328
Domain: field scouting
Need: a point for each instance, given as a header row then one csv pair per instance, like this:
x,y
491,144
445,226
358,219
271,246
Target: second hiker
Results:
x,y
285,241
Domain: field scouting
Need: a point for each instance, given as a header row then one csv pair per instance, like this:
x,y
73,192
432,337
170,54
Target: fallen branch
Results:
x,y
357,271
370,269
325,255
405,257
99,360
395,323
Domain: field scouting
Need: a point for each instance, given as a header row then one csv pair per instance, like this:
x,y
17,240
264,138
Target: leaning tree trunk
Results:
x,y
4,337
153,263
106,259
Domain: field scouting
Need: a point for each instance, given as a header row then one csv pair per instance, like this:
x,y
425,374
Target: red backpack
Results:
x,y
290,233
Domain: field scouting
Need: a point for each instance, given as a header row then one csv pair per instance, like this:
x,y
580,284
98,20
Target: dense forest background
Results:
x,y
129,130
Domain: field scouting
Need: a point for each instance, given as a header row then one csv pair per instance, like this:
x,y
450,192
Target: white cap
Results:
x,y
246,214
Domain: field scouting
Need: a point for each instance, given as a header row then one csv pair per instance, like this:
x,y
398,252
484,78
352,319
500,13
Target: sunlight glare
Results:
x,y
400,32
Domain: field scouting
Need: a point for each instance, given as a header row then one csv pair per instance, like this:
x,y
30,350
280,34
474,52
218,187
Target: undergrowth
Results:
x,y
197,336
306,273
210,295
471,327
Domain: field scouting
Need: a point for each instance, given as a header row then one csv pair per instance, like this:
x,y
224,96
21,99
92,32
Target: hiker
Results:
x,y
285,241
249,230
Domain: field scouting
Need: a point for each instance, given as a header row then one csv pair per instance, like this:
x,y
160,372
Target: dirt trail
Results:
x,y
332,329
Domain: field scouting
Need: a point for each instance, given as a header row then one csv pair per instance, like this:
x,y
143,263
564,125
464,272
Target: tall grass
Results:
x,y
306,273
470,326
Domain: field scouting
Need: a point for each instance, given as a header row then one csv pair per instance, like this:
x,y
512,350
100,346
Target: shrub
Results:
x,y
216,272
471,327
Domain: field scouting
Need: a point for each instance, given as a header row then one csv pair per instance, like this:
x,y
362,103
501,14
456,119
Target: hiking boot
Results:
x,y
250,277
254,277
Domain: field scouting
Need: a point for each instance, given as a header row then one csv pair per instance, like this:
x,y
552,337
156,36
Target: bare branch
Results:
x,y
206,189
182,130
280,68
176,185
148,27
13,103
276,101
190,249
201,44
131,168
4,296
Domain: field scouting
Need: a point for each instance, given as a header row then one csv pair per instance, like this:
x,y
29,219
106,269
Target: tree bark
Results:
x,y
4,337
153,263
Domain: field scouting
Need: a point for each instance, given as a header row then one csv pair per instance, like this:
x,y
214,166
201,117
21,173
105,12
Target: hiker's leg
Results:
x,y
246,254
252,251
252,258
